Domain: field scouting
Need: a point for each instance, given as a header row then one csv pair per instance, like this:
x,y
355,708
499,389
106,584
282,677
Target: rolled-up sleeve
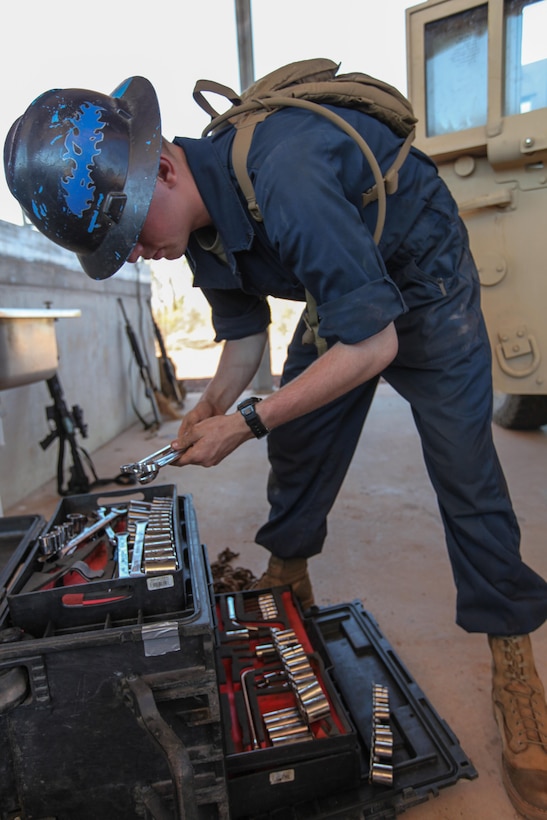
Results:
x,y
236,315
361,313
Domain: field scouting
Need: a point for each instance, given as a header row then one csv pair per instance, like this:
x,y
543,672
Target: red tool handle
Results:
x,y
78,599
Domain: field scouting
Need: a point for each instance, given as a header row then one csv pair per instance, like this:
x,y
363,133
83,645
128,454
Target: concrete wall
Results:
x,y
96,368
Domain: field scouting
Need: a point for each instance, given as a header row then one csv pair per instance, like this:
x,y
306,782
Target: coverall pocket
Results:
x,y
427,267
419,288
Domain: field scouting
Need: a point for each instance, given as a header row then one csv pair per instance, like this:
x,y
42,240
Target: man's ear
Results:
x,y
166,171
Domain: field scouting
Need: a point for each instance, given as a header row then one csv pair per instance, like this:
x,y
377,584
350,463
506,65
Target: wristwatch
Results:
x,y
247,410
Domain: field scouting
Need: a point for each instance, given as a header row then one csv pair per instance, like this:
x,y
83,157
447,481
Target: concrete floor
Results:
x,y
386,548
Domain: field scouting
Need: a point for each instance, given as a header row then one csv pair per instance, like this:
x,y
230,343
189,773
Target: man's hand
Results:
x,y
207,436
208,440
186,436
202,410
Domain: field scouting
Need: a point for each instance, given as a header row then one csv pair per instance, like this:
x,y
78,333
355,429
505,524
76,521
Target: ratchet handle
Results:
x,y
147,469
166,456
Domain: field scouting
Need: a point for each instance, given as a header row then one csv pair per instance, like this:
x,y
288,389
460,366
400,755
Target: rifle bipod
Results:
x,y
66,423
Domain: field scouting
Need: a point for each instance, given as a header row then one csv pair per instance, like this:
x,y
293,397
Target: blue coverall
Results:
x,y
309,177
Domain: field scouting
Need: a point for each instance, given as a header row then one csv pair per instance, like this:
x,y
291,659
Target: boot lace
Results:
x,y
527,700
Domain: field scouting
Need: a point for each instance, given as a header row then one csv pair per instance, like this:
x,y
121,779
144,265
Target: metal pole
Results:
x,y
245,43
262,382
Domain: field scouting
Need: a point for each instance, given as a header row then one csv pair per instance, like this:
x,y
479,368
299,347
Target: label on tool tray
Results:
x,y
160,582
285,776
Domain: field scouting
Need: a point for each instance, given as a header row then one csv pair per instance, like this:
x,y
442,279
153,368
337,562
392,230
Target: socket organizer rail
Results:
x,y
381,744
116,555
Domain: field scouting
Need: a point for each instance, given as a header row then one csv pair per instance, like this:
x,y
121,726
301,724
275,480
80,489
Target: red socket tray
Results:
x,y
258,772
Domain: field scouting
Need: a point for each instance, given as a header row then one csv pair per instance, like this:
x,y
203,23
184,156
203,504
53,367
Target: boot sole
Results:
x,y
528,811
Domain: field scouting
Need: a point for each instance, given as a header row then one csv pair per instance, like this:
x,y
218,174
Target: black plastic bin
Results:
x,y
120,718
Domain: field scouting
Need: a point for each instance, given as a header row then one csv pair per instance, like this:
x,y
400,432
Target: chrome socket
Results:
x,y
281,741
382,774
284,730
316,709
160,565
288,711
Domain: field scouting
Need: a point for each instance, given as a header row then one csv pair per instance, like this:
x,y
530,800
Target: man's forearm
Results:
x,y
338,371
238,364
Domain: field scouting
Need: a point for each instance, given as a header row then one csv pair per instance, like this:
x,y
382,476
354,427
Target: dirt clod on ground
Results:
x,y
227,578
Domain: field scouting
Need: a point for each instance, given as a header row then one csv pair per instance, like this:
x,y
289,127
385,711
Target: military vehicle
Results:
x,y
477,78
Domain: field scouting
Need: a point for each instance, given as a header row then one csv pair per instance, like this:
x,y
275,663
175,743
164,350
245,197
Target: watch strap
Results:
x,y
247,409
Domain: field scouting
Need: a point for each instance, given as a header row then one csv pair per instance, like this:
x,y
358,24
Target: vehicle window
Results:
x,y
525,55
456,51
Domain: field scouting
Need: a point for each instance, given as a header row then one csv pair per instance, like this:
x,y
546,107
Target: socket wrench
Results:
x,y
147,469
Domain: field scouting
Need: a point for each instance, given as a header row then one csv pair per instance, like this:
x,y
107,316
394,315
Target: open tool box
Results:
x,y
84,581
114,715
299,737
171,702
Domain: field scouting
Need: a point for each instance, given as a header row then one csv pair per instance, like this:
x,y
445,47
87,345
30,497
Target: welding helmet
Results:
x,y
83,167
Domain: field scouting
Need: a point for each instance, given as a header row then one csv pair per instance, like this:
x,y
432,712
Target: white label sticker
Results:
x,y
160,582
285,776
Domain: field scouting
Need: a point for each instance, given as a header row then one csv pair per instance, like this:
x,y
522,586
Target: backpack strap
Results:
x,y
215,88
245,116
384,185
244,136
240,151
311,318
391,177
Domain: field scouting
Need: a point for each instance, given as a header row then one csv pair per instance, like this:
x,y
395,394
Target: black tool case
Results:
x,y
329,775
160,711
118,718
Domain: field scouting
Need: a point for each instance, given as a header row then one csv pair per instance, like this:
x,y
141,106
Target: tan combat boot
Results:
x,y
292,572
521,714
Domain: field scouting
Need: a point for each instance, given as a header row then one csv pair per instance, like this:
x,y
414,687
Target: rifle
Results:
x,y
167,365
66,423
149,388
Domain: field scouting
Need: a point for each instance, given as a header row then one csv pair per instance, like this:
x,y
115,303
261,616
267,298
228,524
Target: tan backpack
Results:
x,y
312,84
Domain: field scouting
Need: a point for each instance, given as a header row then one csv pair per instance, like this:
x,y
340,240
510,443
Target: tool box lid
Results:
x,y
426,756
16,533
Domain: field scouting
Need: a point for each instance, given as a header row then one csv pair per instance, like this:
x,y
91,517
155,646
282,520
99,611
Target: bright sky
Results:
x,y
58,44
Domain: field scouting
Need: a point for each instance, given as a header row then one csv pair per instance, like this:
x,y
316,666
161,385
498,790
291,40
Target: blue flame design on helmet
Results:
x,y
81,147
